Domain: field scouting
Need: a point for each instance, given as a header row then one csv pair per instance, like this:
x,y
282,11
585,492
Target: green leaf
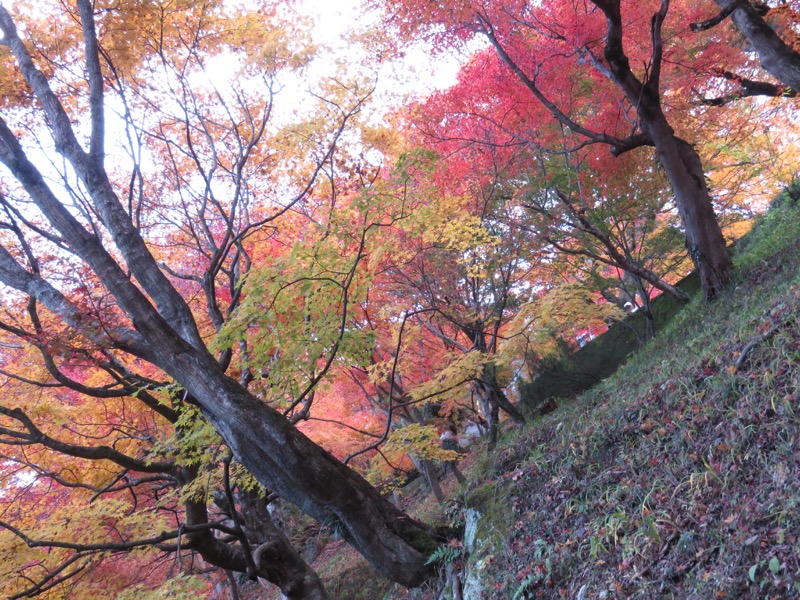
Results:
x,y
774,565
752,573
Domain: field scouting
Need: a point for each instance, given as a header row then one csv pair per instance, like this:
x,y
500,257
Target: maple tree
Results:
x,y
580,64
463,272
125,271
778,56
616,214
621,234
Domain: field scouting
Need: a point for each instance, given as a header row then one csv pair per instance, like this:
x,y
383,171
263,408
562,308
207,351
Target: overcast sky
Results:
x,y
418,74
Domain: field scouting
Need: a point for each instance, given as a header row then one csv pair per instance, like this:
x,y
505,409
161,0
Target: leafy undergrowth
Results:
x,y
678,477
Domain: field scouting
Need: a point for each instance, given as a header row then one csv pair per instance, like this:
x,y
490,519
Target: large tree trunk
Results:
x,y
704,238
681,163
777,58
297,469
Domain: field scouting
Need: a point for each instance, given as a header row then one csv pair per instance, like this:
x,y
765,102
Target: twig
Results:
x,y
758,340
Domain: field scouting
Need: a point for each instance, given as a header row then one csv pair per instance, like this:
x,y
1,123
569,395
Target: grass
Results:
x,y
678,477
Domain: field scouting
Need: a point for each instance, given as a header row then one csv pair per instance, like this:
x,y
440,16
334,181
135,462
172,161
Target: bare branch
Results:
x,y
716,19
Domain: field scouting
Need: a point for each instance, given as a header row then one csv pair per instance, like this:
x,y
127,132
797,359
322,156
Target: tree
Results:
x,y
555,54
610,223
462,271
140,316
778,58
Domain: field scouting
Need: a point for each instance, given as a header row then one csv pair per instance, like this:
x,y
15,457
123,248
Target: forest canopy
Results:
x,y
245,297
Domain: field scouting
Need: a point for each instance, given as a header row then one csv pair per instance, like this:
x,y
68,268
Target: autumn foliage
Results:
x,y
217,297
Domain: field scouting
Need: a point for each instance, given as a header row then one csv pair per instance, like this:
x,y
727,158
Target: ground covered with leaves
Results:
x,y
679,476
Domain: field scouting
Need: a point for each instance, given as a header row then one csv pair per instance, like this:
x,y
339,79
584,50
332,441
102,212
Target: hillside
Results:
x,y
677,477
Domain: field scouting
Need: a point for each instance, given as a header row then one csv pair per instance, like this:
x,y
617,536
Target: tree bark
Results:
x,y
426,468
647,309
681,163
704,238
777,57
275,558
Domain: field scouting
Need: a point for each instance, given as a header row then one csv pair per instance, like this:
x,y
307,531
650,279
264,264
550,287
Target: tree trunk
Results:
x,y
291,465
681,163
232,585
777,58
425,467
494,423
704,238
275,558
647,309
495,395
493,399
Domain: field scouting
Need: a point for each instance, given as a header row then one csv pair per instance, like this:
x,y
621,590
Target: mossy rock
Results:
x,y
491,501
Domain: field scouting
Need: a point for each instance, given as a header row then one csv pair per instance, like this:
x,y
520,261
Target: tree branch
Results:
x,y
717,19
37,436
749,88
618,145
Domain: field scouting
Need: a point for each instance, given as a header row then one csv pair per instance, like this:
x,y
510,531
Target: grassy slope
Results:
x,y
677,477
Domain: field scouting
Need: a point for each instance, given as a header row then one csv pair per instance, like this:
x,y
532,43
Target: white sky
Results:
x,y
418,74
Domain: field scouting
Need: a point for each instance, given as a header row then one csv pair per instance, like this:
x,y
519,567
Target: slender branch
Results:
x,y
51,580
654,80
37,436
117,546
717,19
748,347
248,552
392,378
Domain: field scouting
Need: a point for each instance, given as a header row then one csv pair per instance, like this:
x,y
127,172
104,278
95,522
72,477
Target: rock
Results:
x,y
474,580
472,518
